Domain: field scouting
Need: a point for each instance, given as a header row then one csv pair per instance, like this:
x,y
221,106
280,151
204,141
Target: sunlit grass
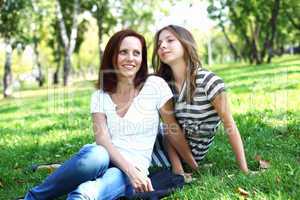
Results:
x,y
48,125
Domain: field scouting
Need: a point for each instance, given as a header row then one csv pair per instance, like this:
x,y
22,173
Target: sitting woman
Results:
x,y
199,96
125,111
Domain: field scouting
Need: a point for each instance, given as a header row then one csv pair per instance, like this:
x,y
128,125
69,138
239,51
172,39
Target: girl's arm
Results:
x,y
139,182
175,137
173,157
221,105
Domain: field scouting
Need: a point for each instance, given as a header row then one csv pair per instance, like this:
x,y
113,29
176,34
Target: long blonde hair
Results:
x,y
191,58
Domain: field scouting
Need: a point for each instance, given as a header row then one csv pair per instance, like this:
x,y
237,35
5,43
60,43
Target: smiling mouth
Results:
x,y
129,67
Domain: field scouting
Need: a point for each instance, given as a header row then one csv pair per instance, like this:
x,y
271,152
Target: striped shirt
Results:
x,y
198,118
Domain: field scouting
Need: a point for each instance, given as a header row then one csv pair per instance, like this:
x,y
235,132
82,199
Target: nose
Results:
x,y
162,45
130,56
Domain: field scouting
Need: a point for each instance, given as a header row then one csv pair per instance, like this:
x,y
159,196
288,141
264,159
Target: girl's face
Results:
x,y
170,49
129,57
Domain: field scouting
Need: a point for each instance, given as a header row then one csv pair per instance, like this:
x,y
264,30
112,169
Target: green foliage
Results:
x,y
49,125
14,21
264,28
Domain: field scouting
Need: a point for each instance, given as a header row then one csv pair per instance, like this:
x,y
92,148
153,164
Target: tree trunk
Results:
x,y
7,77
56,75
255,50
58,62
69,42
268,44
273,21
231,46
100,15
100,30
243,32
67,66
41,77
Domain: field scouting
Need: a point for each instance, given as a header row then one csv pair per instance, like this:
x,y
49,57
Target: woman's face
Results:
x,y
129,57
170,49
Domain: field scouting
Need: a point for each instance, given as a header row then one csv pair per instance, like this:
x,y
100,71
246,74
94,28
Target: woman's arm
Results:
x,y
175,135
139,182
221,105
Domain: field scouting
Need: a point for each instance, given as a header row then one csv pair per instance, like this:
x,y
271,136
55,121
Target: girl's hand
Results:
x,y
139,182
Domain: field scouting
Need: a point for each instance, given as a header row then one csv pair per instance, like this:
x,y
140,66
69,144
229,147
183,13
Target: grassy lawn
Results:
x,y
50,124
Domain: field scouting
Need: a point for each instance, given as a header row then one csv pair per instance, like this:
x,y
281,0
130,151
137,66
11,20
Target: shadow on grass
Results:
x,y
15,171
251,87
70,122
9,109
252,71
245,68
264,81
288,59
261,76
272,142
278,144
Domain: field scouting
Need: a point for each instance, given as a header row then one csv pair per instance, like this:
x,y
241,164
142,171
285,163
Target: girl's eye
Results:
x,y
136,53
170,40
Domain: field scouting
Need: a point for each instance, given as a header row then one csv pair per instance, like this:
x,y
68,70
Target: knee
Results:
x,y
93,158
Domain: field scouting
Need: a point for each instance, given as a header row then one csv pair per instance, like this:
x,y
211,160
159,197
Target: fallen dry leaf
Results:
x,y
242,192
51,167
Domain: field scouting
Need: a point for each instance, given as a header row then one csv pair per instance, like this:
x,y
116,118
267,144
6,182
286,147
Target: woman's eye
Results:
x,y
170,40
122,52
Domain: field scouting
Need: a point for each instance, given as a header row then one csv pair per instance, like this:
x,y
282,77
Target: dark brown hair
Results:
x,y
191,58
107,79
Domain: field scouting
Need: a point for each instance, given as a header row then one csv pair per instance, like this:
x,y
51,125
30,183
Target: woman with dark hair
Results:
x,y
199,95
125,111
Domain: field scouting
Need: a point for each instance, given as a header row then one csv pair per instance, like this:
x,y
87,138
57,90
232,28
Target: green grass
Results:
x,y
50,124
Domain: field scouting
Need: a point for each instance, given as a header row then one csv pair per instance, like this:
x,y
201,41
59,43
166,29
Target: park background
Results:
x,y
50,53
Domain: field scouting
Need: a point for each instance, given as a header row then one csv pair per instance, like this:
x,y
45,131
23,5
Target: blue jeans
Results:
x,y
87,175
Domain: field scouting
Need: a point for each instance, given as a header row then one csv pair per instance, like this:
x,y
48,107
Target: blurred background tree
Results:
x,y
264,28
61,41
14,24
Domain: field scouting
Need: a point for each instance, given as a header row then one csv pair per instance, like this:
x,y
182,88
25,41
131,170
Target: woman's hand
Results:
x,y
140,182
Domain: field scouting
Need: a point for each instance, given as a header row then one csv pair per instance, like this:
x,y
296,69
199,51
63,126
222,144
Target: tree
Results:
x,y
69,40
12,17
40,9
292,11
134,14
255,22
219,14
101,10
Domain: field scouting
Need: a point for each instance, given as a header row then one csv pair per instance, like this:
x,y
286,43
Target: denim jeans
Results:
x,y
164,183
87,175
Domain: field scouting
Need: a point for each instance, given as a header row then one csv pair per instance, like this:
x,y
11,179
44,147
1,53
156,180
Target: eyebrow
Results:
x,y
121,49
168,36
